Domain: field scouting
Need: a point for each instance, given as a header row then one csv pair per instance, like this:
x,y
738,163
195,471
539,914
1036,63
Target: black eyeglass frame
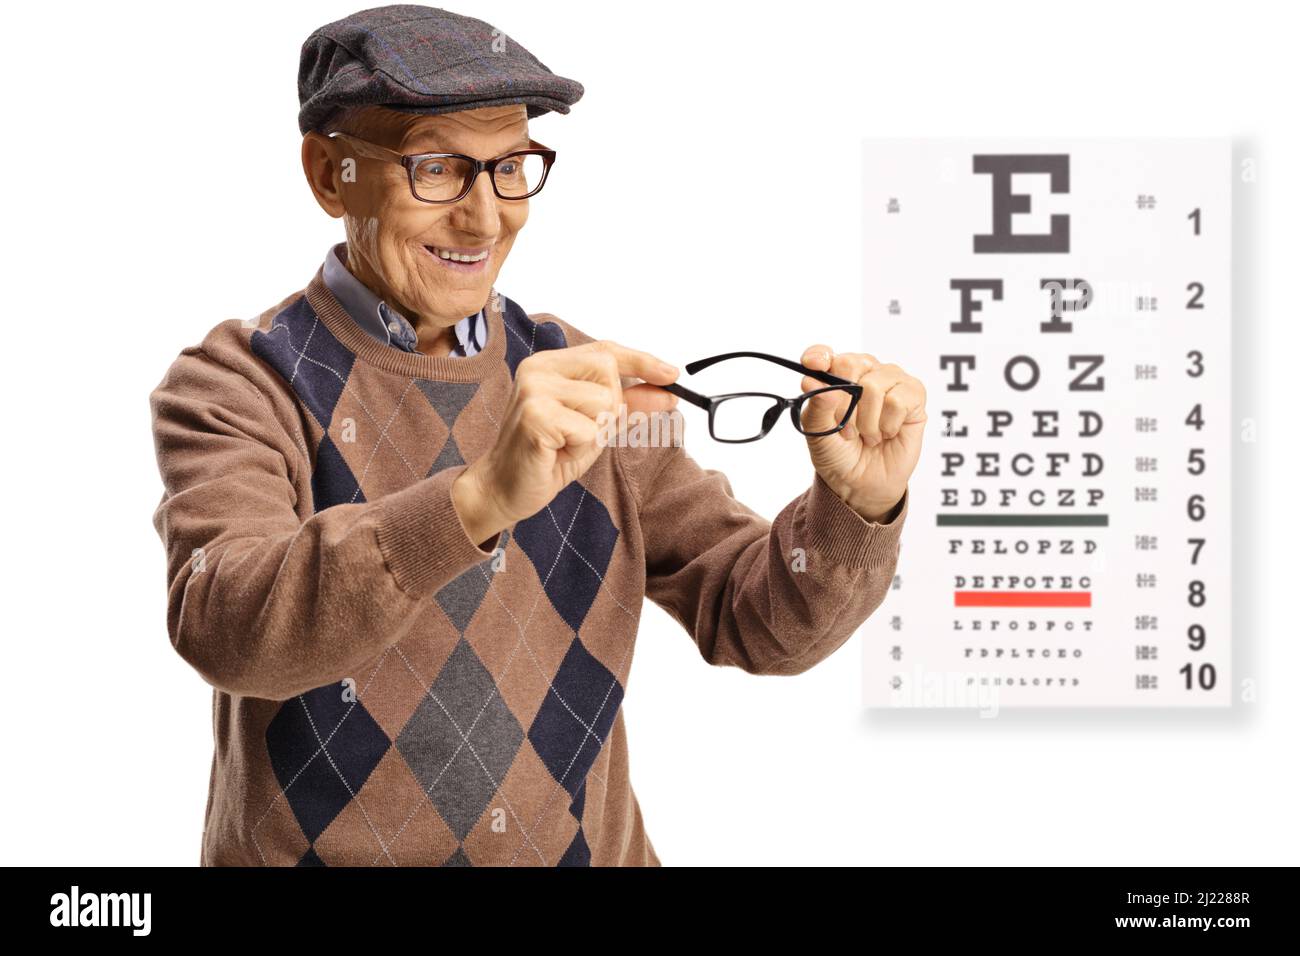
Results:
x,y
412,160
711,402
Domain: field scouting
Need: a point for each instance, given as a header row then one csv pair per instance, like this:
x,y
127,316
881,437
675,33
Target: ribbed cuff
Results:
x,y
422,538
839,532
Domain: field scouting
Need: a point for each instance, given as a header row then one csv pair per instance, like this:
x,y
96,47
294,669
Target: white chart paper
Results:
x,y
1067,305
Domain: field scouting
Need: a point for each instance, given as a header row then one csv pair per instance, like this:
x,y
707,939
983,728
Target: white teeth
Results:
x,y
457,257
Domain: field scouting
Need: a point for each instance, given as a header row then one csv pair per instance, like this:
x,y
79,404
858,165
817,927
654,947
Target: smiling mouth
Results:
x,y
467,257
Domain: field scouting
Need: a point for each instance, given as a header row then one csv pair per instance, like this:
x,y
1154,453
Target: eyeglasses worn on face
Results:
x,y
448,177
749,416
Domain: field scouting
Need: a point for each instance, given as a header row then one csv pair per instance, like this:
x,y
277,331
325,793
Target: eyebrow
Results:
x,y
524,143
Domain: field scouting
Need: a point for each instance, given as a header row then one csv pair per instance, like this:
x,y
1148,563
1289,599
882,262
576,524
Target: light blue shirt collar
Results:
x,y
387,324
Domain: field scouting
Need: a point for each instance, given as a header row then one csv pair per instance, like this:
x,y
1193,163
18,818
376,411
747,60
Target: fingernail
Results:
x,y
667,369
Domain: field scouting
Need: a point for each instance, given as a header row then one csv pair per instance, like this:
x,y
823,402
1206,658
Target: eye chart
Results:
x,y
1067,305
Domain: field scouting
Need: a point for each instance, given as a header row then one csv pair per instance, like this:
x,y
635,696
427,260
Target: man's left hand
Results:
x,y
867,462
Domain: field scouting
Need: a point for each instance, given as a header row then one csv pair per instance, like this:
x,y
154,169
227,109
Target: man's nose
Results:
x,y
478,209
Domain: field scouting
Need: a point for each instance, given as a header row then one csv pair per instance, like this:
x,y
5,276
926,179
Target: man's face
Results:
x,y
394,239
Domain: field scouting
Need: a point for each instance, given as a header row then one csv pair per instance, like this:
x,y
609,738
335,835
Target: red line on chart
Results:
x,y
1022,599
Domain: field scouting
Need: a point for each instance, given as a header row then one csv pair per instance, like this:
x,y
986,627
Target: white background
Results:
x,y
153,188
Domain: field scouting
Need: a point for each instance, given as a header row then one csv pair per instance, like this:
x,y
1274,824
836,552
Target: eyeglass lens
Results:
x,y
741,417
444,178
746,417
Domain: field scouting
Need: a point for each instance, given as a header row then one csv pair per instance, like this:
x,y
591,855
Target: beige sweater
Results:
x,y
387,692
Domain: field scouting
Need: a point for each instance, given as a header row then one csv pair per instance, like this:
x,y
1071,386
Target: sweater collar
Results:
x,y
447,368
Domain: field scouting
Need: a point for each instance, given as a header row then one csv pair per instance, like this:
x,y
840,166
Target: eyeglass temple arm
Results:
x,y
362,148
681,391
827,377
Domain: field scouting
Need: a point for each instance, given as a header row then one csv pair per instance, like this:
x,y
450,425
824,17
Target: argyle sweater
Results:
x,y
386,691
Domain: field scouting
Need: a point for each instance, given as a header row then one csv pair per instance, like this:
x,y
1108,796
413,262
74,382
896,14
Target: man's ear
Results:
x,y
325,175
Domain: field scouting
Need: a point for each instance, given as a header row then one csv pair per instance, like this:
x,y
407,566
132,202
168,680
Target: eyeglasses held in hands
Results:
x,y
748,416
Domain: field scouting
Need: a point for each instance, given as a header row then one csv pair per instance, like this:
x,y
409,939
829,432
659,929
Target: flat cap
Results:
x,y
420,59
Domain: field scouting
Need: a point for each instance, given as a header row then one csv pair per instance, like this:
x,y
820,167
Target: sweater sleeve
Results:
x,y
768,597
262,602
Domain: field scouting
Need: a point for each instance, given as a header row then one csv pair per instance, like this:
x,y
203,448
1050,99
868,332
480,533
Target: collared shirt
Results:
x,y
384,322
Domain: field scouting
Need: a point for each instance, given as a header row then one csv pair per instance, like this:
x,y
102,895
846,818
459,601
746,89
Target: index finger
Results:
x,y
643,365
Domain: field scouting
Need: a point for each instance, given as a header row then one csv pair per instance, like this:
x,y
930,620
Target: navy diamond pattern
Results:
x,y
569,582
578,853
524,336
319,778
332,481
310,858
579,801
318,374
574,720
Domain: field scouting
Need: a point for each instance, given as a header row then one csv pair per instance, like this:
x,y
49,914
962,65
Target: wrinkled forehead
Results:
x,y
473,131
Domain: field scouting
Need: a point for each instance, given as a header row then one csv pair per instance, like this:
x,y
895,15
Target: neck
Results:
x,y
434,339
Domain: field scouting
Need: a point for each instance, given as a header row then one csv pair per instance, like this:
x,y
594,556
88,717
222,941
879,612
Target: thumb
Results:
x,y
821,412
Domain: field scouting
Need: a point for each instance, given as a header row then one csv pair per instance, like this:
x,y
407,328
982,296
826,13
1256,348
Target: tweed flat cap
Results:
x,y
420,59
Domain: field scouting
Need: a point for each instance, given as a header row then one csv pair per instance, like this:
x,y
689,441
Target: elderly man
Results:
x,y
398,548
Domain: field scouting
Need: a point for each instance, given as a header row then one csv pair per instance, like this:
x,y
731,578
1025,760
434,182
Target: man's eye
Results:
x,y
433,168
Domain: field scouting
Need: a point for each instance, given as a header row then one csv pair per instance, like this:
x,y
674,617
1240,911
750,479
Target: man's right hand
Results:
x,y
549,435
